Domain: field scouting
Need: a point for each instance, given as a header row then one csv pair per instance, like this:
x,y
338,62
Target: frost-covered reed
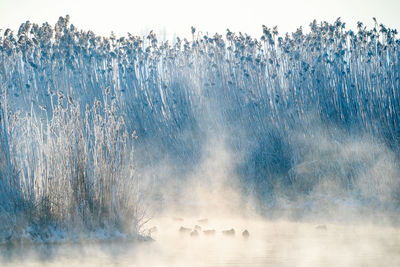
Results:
x,y
347,78
290,106
68,174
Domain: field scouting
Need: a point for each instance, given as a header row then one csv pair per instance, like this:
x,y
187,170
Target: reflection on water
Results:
x,y
269,244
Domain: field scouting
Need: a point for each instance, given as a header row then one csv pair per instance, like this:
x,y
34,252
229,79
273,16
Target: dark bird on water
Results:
x,y
245,234
229,232
194,233
184,230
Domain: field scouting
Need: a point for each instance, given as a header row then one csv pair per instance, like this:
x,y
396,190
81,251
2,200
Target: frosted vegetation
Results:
x,y
306,115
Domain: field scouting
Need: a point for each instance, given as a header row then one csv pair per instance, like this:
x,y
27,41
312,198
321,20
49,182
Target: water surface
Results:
x,y
270,244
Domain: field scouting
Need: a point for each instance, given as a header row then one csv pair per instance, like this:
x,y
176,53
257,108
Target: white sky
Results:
x,y
174,17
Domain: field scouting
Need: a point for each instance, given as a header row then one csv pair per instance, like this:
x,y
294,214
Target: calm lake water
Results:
x,y
269,244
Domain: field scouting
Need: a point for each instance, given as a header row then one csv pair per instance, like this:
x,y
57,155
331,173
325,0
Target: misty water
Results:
x,y
278,243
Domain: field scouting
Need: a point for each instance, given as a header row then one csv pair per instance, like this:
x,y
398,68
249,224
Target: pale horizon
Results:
x,y
174,18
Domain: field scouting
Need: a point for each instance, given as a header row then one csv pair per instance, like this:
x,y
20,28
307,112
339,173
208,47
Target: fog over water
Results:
x,y
277,243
